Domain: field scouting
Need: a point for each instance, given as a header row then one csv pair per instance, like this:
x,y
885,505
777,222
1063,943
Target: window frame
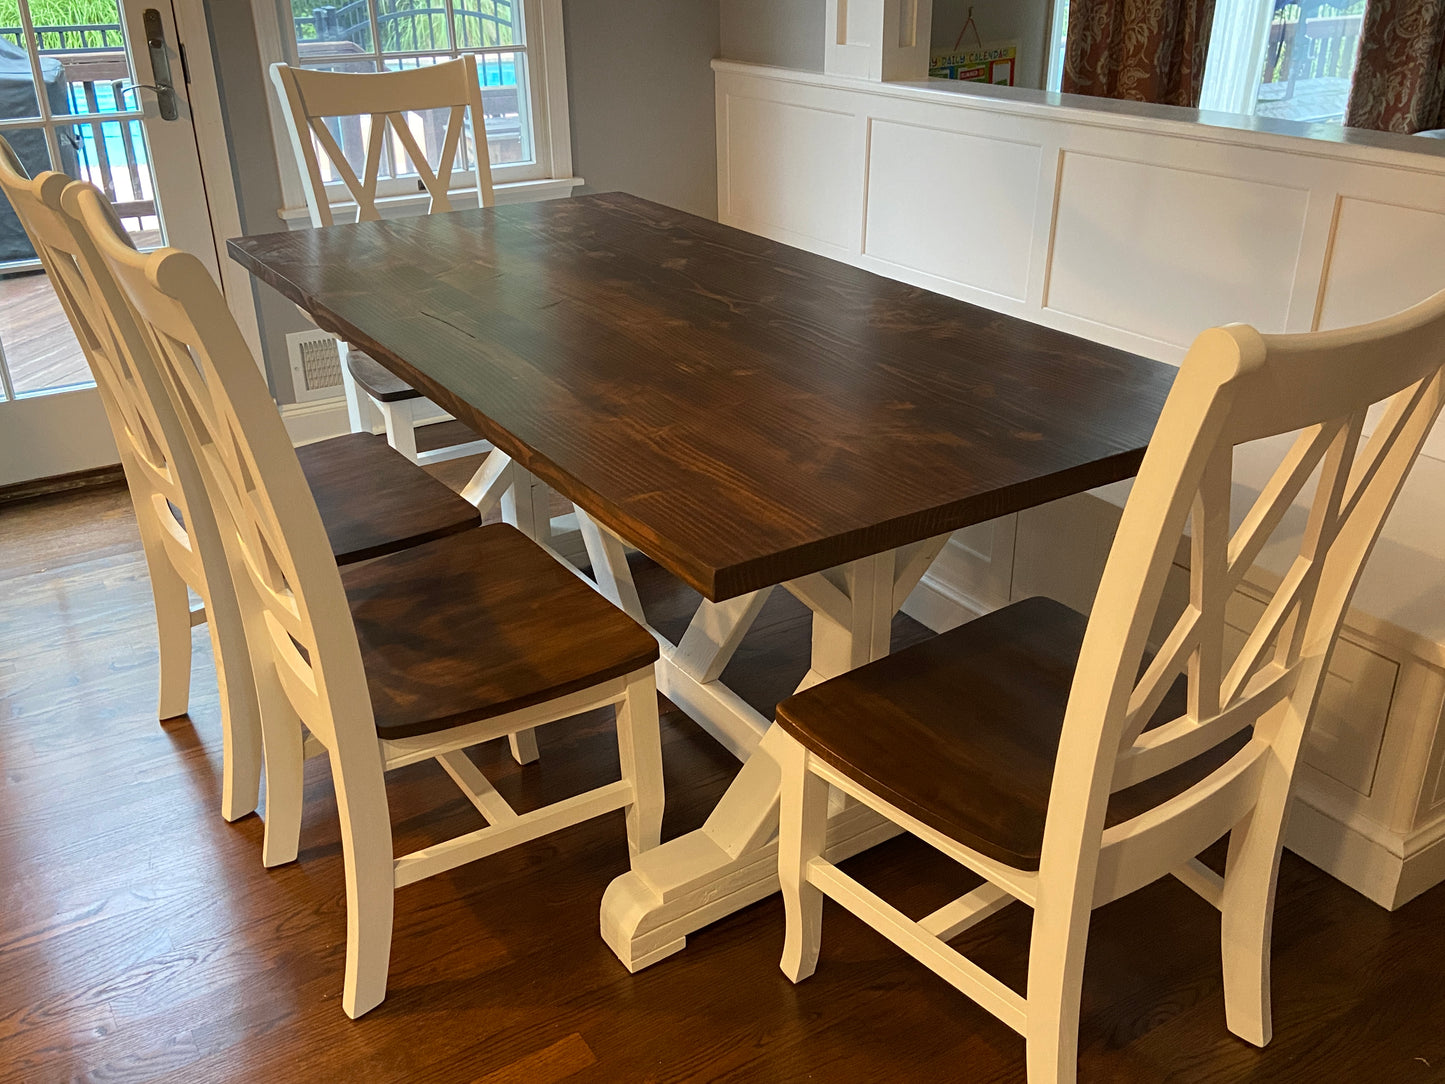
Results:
x,y
548,175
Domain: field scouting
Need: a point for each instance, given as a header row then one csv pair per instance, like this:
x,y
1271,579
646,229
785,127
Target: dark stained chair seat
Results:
x,y
374,501
480,624
962,731
377,380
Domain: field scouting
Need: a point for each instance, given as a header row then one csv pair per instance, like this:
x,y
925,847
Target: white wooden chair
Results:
x,y
310,100
400,506
411,656
1060,760
388,110
178,532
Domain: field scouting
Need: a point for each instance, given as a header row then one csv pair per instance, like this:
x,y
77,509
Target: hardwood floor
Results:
x,y
140,938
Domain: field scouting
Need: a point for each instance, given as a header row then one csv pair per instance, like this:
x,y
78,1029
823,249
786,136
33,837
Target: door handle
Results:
x,y
160,66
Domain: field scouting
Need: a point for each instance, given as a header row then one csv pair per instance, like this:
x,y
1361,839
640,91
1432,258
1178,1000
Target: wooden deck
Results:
x,y
41,350
143,940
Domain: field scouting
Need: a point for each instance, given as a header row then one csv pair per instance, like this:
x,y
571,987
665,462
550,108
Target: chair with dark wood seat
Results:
x,y
373,500
314,102
1069,761
309,99
377,381
416,655
983,702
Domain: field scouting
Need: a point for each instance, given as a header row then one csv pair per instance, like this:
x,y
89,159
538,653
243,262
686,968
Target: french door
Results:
x,y
104,100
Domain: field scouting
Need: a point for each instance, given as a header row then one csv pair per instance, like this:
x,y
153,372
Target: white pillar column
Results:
x,y
883,40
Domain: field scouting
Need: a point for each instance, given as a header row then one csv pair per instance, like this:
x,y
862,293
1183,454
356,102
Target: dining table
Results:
x,y
747,414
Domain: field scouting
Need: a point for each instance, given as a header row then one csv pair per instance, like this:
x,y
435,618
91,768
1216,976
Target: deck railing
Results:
x,y
413,28
1318,48
87,38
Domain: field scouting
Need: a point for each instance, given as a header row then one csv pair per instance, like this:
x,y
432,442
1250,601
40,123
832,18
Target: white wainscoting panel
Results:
x,y
793,168
1385,258
1167,252
968,218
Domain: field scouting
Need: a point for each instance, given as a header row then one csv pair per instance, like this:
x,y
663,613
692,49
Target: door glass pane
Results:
x,y
17,79
80,49
328,29
112,155
40,349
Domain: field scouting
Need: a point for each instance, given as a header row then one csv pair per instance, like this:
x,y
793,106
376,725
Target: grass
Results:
x,y
61,12
67,13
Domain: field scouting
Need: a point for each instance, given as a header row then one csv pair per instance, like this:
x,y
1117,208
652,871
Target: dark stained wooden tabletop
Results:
x,y
742,411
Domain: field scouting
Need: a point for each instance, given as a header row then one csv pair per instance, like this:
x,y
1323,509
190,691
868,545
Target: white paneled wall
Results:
x,y
1139,227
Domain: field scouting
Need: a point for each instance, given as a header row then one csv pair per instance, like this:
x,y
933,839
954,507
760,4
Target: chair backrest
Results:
x,y
1235,386
280,560
380,102
102,323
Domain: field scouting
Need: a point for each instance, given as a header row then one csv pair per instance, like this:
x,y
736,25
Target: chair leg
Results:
x,y
241,738
1247,921
639,746
518,510
1055,985
802,832
173,631
400,426
285,773
523,745
358,410
370,880
541,498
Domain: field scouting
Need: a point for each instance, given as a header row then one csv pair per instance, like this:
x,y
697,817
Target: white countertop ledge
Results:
x,y
1296,137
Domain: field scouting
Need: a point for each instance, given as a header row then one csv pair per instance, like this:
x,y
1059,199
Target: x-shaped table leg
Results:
x,y
731,861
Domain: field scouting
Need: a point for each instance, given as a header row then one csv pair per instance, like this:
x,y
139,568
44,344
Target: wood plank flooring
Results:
x,y
40,348
140,938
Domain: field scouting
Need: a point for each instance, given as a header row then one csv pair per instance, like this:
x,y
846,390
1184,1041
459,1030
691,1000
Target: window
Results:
x,y
519,51
1289,59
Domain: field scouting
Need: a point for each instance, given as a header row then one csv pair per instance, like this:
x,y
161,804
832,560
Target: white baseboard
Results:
x,y
1387,868
316,420
939,607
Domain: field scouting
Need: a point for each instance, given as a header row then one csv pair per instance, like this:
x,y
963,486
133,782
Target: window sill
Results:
x,y
297,218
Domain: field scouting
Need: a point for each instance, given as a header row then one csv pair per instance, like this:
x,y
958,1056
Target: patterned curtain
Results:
x,y
1140,50
1400,78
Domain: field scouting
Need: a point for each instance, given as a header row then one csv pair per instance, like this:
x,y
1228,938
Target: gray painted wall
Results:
x,y
243,87
640,96
640,89
784,33
1023,21
790,33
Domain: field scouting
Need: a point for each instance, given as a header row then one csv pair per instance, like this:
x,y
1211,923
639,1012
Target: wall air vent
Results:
x,y
315,365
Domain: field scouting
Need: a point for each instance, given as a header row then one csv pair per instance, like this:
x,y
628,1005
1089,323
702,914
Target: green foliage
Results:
x,y
68,13
61,12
